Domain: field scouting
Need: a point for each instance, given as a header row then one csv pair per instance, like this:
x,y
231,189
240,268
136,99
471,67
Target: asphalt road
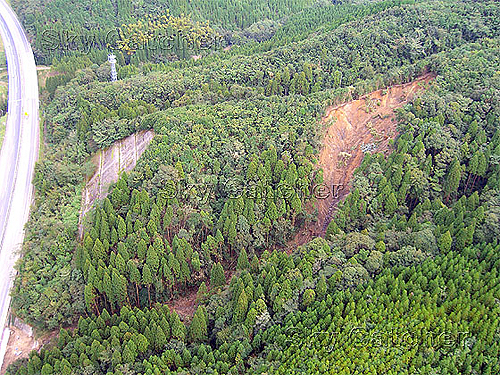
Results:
x,y
18,154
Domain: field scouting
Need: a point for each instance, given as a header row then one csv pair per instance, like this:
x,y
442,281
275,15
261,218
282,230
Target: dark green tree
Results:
x,y
217,277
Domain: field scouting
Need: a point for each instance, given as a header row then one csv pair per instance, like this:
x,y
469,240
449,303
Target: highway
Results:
x,y
18,154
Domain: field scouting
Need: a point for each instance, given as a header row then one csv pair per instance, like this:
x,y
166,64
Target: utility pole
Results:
x,y
112,62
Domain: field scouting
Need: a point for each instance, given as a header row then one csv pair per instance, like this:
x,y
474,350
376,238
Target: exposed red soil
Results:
x,y
186,305
20,345
368,120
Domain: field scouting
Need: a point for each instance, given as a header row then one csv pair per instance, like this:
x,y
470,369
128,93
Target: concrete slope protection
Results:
x,y
18,154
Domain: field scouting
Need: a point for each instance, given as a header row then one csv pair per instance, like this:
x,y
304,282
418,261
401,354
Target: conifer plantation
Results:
x,y
405,277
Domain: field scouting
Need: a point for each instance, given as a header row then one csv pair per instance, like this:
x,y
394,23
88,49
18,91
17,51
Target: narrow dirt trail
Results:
x,y
350,130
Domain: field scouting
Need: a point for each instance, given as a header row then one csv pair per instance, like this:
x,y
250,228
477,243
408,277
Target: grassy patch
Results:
x,y
42,141
3,60
3,93
3,121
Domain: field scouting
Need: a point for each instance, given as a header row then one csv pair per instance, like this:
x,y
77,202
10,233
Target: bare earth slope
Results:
x,y
121,157
365,124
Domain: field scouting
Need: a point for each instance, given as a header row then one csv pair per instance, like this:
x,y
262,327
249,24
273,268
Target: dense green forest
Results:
x,y
406,278
74,25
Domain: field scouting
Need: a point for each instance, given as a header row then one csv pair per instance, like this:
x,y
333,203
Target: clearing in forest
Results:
x,y
351,129
185,305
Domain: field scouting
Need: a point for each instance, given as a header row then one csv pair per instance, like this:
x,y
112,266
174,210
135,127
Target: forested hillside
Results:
x,y
404,281
68,24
